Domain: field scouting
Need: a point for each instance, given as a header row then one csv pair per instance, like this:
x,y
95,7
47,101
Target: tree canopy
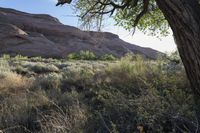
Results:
x,y
128,14
148,19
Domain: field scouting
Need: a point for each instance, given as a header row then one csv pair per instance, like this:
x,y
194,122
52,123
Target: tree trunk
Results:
x,y
184,19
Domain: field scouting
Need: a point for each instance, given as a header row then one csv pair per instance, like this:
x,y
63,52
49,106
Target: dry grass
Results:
x,y
11,81
70,119
91,96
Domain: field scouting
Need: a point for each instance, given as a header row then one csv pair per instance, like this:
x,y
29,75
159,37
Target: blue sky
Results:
x,y
65,15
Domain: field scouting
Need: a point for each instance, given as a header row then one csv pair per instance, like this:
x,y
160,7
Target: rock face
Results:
x,y
43,35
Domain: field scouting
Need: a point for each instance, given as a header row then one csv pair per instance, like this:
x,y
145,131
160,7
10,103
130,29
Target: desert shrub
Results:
x,y
10,80
6,57
87,55
113,111
20,57
43,68
167,110
157,94
18,111
95,96
68,115
171,112
73,56
14,113
133,57
4,66
108,57
58,121
50,83
78,77
20,70
129,75
62,65
35,112
36,59
82,55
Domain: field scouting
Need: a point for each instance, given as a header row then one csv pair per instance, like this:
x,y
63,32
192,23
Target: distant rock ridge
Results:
x,y
43,35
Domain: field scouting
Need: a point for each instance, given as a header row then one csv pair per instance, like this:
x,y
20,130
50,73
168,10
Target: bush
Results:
x,y
21,70
80,78
50,81
73,56
43,68
68,115
108,57
10,81
129,75
87,96
82,55
4,66
20,57
6,57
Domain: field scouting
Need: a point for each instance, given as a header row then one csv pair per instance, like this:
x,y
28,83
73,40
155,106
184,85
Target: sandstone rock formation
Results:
x,y
43,35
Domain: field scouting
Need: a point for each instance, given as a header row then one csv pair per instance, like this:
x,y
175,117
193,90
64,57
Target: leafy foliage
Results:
x,y
82,55
87,55
152,23
128,14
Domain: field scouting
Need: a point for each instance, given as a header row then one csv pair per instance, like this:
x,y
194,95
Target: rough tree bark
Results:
x,y
184,19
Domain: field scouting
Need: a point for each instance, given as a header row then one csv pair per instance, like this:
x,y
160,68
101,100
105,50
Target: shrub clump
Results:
x,y
82,55
43,68
119,96
108,57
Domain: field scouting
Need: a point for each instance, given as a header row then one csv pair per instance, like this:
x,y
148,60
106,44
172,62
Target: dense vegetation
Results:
x,y
88,55
154,17
82,96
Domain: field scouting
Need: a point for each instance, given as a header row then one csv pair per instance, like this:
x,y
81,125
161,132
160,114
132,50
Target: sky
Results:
x,y
66,15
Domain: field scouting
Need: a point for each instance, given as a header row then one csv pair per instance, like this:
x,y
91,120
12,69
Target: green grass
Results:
x,y
85,96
